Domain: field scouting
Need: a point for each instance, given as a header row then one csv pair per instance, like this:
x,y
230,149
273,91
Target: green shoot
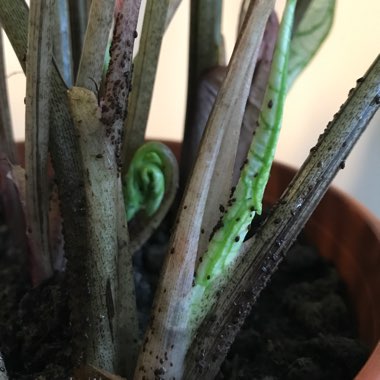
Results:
x,y
246,200
146,180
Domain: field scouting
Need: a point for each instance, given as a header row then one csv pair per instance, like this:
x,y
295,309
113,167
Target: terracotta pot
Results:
x,y
348,235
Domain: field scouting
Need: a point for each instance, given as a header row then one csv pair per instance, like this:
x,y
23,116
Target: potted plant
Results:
x,y
106,175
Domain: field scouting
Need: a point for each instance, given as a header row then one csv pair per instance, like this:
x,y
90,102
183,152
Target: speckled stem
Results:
x,y
100,269
119,74
268,248
69,174
245,201
37,127
168,335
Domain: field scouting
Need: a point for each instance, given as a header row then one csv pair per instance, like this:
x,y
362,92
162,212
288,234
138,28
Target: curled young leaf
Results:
x,y
149,189
145,183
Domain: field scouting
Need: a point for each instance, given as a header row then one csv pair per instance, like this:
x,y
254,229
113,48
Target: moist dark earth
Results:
x,y
301,328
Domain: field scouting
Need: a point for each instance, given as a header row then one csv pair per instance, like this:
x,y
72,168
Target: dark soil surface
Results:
x,y
34,333
301,328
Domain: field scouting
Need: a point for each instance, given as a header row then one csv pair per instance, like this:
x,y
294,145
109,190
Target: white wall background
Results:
x,y
349,50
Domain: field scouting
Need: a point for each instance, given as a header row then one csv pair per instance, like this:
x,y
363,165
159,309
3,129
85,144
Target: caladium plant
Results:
x,y
115,189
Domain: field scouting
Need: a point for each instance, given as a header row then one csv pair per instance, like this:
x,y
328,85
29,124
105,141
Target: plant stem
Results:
x,y
100,269
95,43
168,335
62,41
206,51
38,81
222,180
7,144
267,249
78,23
144,73
127,333
112,318
173,6
119,74
69,175
257,92
113,111
14,20
225,244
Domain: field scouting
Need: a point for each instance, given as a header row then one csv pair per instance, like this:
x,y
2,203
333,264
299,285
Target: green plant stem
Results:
x,y
95,43
78,10
100,130
243,11
229,125
208,89
256,96
224,245
206,51
14,20
127,337
144,73
206,42
100,184
113,112
62,41
7,144
167,337
69,175
267,249
38,81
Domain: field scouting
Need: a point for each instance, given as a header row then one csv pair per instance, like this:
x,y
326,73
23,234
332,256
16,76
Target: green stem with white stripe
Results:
x,y
246,200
